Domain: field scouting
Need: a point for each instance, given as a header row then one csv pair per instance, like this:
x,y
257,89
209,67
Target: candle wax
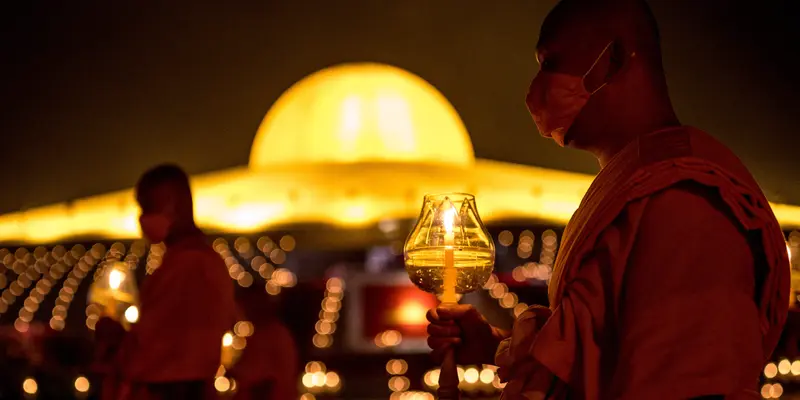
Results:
x,y
450,275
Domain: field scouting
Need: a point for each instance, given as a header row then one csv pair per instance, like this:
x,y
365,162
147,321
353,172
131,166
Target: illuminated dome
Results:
x,y
362,113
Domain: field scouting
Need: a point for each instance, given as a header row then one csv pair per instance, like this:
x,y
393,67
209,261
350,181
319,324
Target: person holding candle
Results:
x,y
672,279
187,304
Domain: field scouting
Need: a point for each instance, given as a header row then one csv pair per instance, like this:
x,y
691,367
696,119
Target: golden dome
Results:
x,y
362,113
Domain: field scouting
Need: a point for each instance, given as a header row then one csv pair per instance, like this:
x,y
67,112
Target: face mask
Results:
x,y
155,227
555,100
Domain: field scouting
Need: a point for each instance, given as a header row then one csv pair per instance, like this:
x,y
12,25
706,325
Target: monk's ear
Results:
x,y
617,58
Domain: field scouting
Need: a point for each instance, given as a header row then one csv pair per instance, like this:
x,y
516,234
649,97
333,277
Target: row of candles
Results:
x,y
325,327
276,278
471,379
782,370
316,379
50,266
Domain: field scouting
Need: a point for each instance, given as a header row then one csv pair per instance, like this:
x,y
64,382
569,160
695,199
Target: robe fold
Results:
x,y
186,307
672,282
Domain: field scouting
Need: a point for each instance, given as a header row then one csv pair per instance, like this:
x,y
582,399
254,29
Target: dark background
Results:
x,y
94,92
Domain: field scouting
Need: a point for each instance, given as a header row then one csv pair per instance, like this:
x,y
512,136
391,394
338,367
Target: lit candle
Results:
x,y
450,275
115,278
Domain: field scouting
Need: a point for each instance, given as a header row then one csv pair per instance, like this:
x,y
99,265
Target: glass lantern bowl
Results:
x,y
115,289
449,252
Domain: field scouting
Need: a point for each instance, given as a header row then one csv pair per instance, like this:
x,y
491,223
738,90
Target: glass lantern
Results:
x,y
115,292
449,252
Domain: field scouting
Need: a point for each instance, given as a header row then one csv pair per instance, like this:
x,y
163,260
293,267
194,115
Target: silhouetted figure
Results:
x,y
672,278
268,367
187,304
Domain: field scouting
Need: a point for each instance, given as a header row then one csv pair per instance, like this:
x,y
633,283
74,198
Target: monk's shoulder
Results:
x,y
688,230
688,206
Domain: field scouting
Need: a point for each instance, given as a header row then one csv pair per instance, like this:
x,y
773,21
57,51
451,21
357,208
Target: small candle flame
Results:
x,y
449,218
115,278
227,339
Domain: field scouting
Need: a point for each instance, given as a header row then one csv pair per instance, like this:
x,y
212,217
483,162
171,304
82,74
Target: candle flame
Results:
x,y
227,339
449,219
115,278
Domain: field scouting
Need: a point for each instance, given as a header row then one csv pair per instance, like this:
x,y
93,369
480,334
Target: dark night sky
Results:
x,y
94,92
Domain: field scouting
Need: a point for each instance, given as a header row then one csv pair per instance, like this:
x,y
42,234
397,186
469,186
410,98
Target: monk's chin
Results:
x,y
560,138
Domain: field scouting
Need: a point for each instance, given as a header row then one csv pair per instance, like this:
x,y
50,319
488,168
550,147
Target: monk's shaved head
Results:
x,y
588,25
614,46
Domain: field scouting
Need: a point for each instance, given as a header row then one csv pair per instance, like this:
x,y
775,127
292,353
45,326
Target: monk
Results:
x,y
672,278
269,365
187,304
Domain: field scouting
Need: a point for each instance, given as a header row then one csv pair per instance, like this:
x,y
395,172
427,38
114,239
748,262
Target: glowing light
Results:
x,y
222,384
132,314
396,367
115,279
318,378
355,214
487,376
471,375
388,338
252,217
30,386
332,379
244,329
362,112
399,383
227,339
431,378
82,384
784,367
766,391
315,366
449,219
411,313
777,390
774,390
239,343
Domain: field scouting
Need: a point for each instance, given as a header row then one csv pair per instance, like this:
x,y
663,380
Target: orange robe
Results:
x,y
187,305
672,282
